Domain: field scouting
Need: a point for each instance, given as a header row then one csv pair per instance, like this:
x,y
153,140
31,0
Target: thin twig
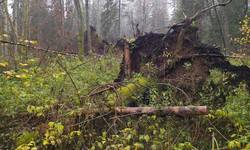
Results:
x,y
217,130
66,71
38,48
182,91
85,121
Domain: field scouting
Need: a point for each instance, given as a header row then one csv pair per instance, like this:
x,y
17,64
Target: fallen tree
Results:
x,y
183,111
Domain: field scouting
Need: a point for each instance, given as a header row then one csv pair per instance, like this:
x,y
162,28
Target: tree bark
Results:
x,y
127,59
62,13
15,16
81,28
89,46
119,21
144,17
3,25
166,111
182,111
13,35
226,28
26,25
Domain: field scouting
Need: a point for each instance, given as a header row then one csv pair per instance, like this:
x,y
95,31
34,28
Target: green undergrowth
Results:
x,y
41,105
60,80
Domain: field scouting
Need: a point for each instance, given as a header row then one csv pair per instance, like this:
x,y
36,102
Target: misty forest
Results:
x,y
125,74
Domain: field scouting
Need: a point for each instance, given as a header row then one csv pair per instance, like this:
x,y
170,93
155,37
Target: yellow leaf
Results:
x,y
45,142
5,35
22,76
34,42
4,64
23,65
26,41
9,73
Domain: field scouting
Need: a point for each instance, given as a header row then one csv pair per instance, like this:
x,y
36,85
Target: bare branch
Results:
x,y
200,13
38,48
70,77
45,50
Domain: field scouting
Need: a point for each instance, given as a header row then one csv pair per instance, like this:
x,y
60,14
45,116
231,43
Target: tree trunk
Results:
x,y
2,29
88,47
62,17
26,25
144,17
119,20
225,26
15,20
127,59
81,28
13,36
166,111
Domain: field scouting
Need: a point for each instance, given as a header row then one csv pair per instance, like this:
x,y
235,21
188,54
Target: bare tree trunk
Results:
x,y
89,46
81,28
144,16
220,24
62,17
225,27
98,17
26,22
119,19
15,16
2,28
13,35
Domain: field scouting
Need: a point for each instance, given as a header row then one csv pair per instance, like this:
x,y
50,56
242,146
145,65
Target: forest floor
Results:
x,y
44,105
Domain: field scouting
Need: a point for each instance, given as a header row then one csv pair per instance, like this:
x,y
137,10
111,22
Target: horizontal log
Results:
x,y
165,111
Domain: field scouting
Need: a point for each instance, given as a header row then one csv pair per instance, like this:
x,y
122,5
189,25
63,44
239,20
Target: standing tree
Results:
x,y
88,36
26,22
13,34
59,12
3,25
81,28
15,19
119,19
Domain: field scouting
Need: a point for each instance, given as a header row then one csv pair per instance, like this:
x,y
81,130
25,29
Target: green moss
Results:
x,y
125,93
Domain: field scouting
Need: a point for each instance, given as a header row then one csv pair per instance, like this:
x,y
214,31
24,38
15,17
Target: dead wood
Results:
x,y
184,111
180,57
166,111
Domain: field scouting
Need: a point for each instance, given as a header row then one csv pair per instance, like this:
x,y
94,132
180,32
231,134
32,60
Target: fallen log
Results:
x,y
183,111
166,111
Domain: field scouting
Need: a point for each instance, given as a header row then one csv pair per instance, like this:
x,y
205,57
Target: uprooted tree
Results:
x,y
179,57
